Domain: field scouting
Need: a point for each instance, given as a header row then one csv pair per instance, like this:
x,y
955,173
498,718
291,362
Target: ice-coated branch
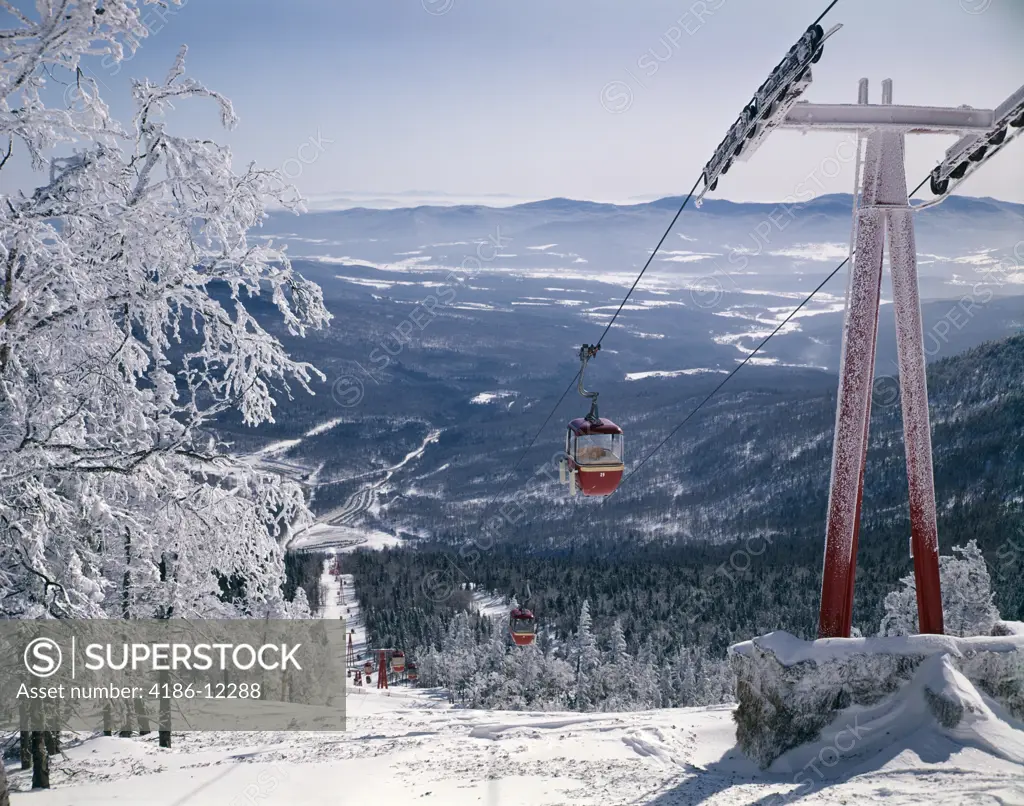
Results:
x,y
124,331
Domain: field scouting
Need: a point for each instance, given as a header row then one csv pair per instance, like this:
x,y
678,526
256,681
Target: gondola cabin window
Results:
x,y
599,449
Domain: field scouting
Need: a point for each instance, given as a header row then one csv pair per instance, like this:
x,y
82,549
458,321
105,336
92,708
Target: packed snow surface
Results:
x,y
341,538
408,746
490,397
411,746
323,428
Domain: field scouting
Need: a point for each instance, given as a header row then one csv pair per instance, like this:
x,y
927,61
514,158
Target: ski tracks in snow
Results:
x,y
365,498
671,749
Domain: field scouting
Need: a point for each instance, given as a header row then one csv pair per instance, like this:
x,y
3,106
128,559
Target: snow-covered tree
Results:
x,y
481,668
968,605
619,687
298,607
688,685
124,332
488,672
587,660
618,650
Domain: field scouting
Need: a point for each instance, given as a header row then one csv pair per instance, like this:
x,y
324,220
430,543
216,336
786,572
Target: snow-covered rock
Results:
x,y
790,690
938,703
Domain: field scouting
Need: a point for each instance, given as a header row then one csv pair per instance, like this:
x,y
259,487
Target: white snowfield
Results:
x,y
411,747
406,746
674,373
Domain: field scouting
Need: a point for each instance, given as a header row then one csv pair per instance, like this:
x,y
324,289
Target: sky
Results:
x,y
505,100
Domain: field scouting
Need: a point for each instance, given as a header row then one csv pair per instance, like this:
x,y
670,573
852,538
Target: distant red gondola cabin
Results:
x,y
397,661
410,671
594,451
523,626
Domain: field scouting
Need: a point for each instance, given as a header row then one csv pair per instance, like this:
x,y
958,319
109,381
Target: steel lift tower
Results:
x,y
882,211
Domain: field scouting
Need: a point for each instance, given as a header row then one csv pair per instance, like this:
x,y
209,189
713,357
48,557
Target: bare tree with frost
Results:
x,y
124,332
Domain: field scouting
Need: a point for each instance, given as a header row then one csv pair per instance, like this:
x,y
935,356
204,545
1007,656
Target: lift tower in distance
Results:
x,y
882,209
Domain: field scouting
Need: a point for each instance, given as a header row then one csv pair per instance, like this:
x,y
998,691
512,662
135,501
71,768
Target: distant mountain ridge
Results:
x,y
567,203
748,247
634,228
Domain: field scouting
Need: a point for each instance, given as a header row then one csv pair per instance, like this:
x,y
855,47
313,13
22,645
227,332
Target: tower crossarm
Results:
x,y
910,119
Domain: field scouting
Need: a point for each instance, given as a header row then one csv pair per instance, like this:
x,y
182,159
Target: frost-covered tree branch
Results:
x,y
124,332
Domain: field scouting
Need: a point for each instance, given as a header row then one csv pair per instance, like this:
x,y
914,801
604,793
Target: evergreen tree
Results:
x,y
298,607
588,661
687,681
968,604
618,651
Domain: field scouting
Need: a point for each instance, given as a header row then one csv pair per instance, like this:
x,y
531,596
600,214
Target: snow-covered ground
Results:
x,y
340,602
675,373
410,746
491,605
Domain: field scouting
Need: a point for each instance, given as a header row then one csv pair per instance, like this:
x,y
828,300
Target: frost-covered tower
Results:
x,y
882,212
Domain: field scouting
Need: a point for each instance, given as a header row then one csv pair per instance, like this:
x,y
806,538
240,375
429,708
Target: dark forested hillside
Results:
x,y
760,458
760,464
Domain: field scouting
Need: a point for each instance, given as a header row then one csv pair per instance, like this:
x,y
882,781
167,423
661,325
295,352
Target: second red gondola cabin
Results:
x,y
523,626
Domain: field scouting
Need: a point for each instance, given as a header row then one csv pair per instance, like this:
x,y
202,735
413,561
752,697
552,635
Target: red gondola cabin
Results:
x,y
593,451
397,661
523,626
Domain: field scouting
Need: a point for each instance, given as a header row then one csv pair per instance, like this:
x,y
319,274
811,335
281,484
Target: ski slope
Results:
x,y
411,747
338,538
406,745
365,499
340,529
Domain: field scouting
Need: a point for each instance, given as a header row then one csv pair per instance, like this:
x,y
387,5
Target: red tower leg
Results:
x,y
916,427
851,578
854,404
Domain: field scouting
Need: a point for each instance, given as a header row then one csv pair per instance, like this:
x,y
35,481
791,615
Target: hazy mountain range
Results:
x,y
481,354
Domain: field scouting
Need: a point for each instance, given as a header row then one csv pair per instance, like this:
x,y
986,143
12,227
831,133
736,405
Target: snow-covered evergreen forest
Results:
x,y
577,665
476,666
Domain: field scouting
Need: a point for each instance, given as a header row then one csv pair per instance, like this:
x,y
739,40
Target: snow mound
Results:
x,y
789,650
790,691
938,712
